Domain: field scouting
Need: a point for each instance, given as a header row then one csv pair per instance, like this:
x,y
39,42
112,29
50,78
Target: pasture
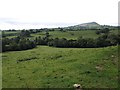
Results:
x,y
48,67
59,34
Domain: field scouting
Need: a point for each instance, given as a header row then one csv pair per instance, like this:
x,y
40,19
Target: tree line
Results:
x,y
21,42
17,44
105,30
102,41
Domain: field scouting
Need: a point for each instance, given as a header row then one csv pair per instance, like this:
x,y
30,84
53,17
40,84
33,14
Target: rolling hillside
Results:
x,y
48,67
52,67
90,25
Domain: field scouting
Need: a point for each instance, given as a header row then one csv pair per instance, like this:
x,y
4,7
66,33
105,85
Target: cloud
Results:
x,y
12,23
57,12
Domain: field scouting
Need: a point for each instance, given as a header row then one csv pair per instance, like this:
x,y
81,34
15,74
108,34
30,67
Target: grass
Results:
x,y
69,34
59,34
50,67
74,34
11,34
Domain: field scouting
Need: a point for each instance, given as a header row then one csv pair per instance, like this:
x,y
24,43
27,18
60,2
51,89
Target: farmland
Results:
x,y
50,67
36,59
69,34
55,34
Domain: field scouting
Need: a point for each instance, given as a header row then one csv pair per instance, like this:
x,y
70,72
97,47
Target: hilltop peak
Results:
x,y
89,24
94,23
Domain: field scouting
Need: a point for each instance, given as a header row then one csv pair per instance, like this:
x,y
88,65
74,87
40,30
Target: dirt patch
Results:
x,y
99,68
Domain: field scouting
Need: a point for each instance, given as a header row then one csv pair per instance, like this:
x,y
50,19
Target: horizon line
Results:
x,y
36,25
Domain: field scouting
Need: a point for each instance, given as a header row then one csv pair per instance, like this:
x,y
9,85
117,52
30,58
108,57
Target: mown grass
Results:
x,y
48,67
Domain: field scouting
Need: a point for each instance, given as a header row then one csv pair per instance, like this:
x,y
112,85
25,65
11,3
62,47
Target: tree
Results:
x,y
97,32
81,42
113,39
13,46
105,31
3,34
47,34
25,33
90,42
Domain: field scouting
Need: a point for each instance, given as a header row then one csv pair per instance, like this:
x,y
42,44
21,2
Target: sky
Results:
x,y
26,14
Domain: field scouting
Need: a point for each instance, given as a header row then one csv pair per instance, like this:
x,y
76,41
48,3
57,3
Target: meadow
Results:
x,y
49,67
58,34
71,34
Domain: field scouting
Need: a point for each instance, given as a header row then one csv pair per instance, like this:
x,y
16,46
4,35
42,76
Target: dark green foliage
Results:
x,y
59,42
25,33
102,41
7,33
105,30
16,44
41,41
3,34
35,30
114,39
107,40
20,43
5,42
23,42
47,34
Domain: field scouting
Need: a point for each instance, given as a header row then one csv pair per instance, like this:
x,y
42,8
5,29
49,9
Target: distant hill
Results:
x,y
90,25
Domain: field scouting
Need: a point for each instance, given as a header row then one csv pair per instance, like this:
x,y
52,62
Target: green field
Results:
x,y
59,34
74,34
51,67
69,34
11,34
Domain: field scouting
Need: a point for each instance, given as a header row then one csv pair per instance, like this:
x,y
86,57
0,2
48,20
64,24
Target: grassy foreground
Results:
x,y
61,67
